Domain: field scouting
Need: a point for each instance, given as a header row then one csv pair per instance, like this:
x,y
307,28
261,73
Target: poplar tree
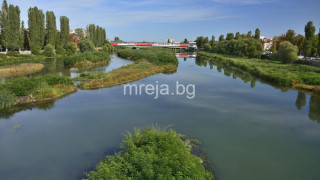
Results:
x,y
213,40
257,34
36,27
13,38
4,24
309,30
249,34
51,28
65,30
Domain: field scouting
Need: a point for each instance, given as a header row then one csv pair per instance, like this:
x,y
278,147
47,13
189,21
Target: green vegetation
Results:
x,y
155,56
94,57
148,62
36,28
291,75
65,30
26,90
71,48
22,69
49,51
96,34
287,52
51,28
244,47
86,46
6,60
152,154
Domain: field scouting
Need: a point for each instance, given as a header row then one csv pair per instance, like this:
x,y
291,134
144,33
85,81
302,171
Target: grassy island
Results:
x,y
19,70
148,62
26,90
290,75
87,60
152,154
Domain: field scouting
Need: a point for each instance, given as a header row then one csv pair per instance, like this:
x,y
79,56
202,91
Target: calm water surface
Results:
x,y
250,129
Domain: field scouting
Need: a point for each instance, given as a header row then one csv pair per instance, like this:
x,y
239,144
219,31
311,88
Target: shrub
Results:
x,y
57,79
35,49
86,46
152,154
13,53
49,51
287,52
7,99
71,48
60,50
207,47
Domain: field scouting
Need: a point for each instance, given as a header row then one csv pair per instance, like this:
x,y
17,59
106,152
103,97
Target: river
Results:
x,y
250,129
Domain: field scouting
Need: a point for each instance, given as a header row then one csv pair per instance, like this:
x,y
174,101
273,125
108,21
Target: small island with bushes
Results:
x,y
152,153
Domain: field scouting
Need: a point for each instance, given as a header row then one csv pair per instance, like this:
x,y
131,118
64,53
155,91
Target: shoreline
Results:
x,y
259,73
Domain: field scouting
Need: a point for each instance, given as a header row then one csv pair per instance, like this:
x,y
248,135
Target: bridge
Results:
x,y
156,45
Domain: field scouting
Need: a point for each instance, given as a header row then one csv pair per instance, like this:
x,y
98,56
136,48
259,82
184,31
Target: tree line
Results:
x,y
243,45
42,30
285,47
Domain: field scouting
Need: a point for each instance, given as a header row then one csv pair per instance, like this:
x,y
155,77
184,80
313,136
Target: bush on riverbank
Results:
x,y
86,46
94,57
49,51
275,71
152,154
155,56
34,89
287,53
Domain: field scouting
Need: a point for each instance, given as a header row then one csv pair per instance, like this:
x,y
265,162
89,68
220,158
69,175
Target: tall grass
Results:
x,y
94,57
153,55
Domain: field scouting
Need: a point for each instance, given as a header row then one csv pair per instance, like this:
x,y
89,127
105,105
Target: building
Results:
x,y
266,43
170,40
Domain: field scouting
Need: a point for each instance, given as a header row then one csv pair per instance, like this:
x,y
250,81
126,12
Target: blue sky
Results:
x,y
157,20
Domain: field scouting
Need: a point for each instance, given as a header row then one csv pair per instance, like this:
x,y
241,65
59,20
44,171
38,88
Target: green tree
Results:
x,y
257,34
290,36
86,46
200,41
299,40
5,28
205,40
319,42
49,51
287,52
36,27
238,35
249,35
230,36
186,41
80,33
207,47
71,48
221,38
64,30
51,28
213,40
309,30
14,28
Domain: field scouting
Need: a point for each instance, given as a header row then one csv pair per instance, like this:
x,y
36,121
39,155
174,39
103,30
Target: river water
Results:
x,y
250,129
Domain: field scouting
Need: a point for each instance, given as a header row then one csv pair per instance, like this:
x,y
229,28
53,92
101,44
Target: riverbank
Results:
x,y
20,70
148,62
23,90
6,60
165,156
296,76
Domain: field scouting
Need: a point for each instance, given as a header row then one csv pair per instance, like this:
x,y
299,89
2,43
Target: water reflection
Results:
x,y
301,101
10,112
